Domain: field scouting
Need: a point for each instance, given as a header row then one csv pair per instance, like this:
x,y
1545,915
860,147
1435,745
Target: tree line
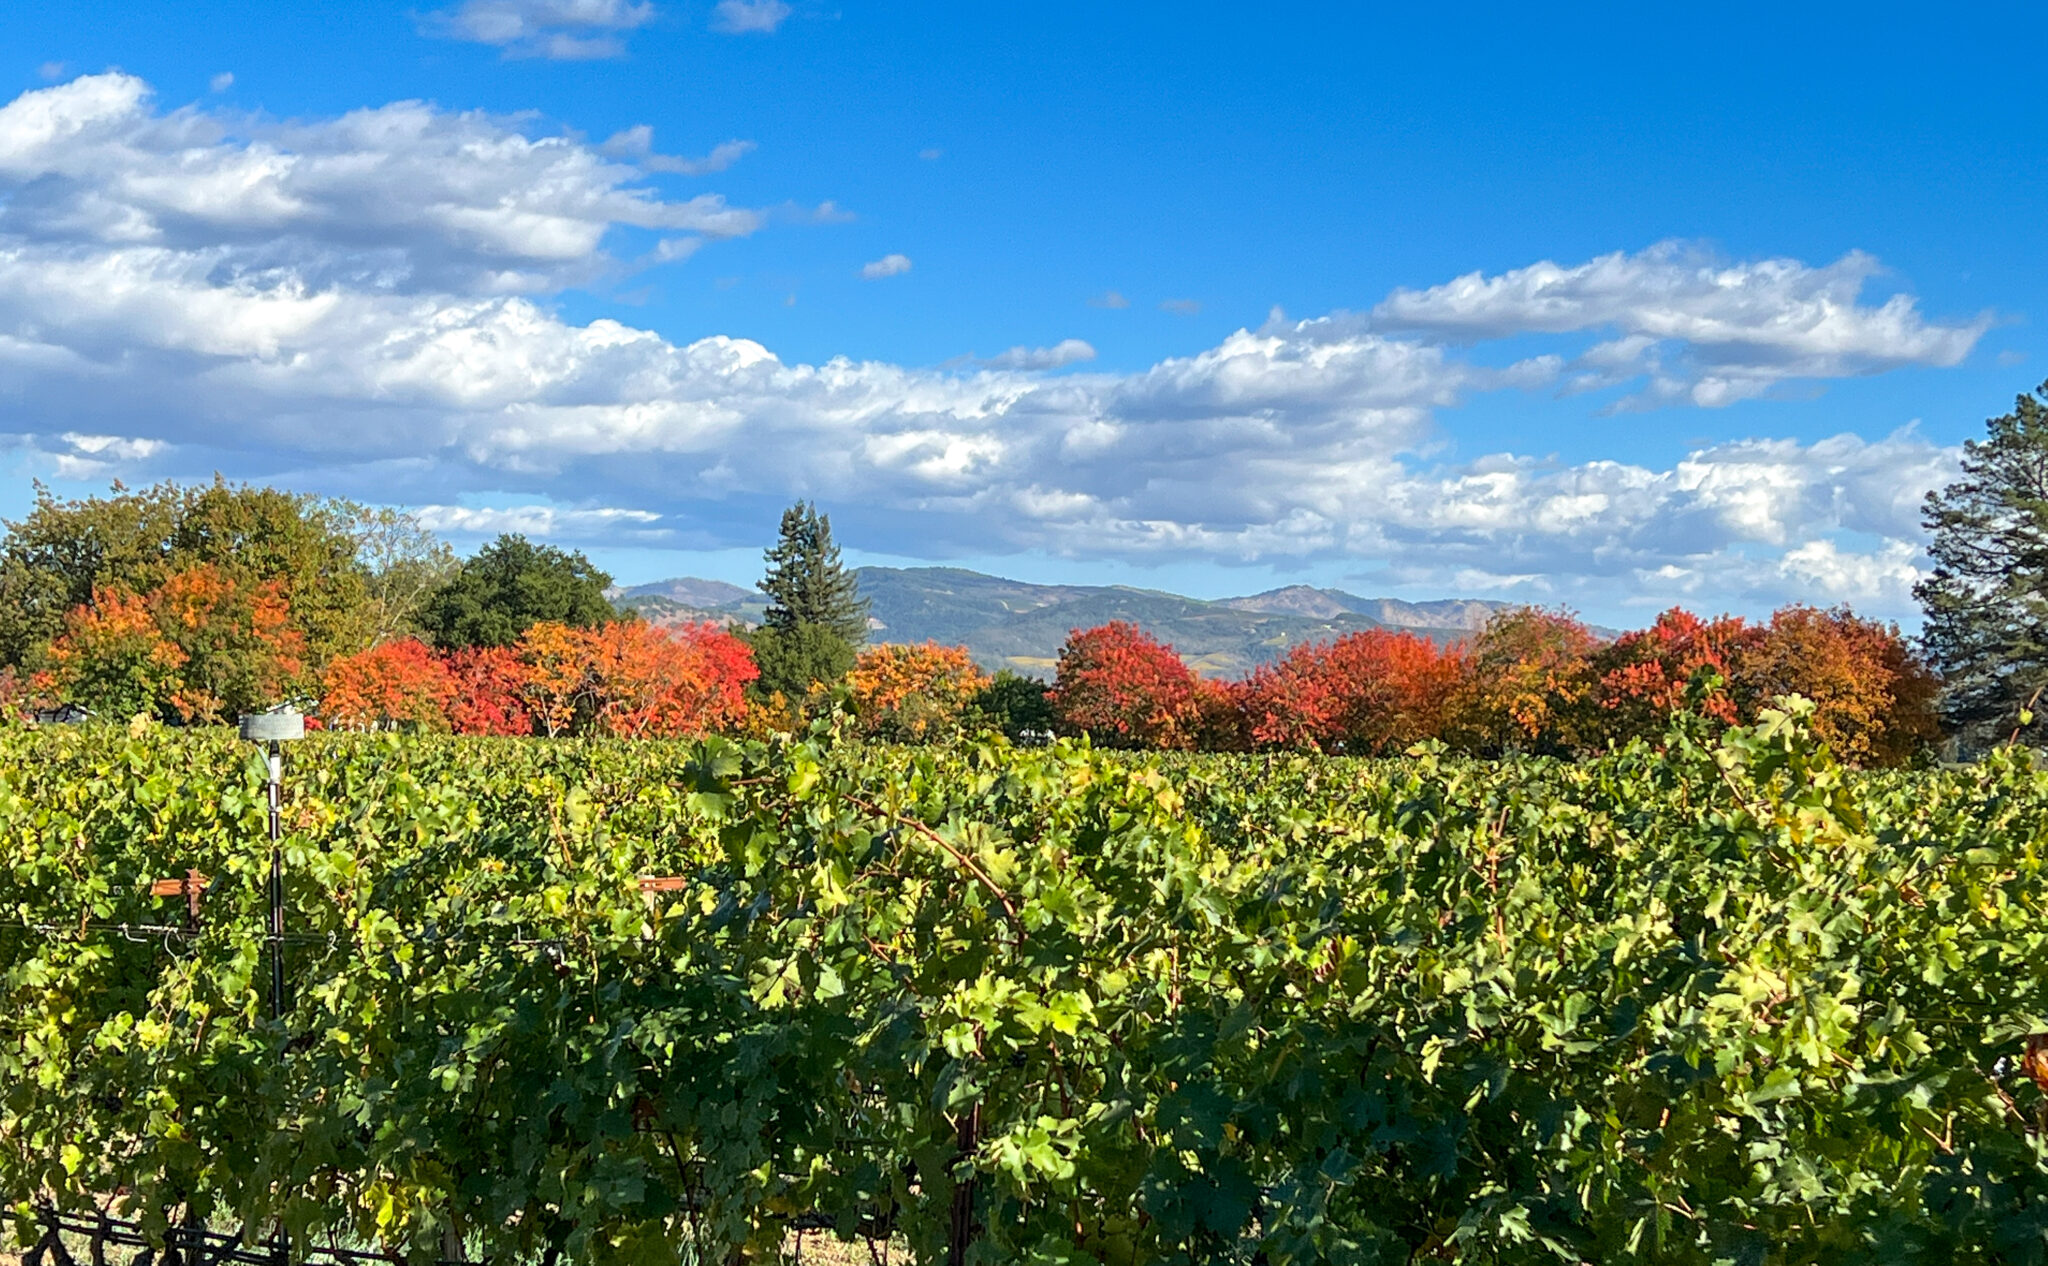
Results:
x,y
192,604
1530,682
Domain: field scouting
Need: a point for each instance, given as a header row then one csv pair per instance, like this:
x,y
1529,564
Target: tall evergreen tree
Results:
x,y
816,618
807,584
1987,599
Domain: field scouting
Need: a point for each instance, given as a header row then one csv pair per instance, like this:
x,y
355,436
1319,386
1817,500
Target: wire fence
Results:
x,y
106,1240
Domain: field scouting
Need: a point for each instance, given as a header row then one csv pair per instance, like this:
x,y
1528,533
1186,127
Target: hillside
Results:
x,y
1016,625
687,600
1325,604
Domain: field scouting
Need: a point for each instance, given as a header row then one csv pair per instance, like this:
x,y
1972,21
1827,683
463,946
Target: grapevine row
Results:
x,y
1719,1001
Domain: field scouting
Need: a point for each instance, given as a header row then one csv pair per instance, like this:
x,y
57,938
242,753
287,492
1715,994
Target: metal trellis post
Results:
x,y
276,882
274,730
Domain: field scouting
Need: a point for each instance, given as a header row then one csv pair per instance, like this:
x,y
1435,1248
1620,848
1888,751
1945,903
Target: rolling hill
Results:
x,y
1015,625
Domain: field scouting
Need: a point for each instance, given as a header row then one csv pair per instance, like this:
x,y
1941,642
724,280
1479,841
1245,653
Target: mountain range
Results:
x,y
1020,626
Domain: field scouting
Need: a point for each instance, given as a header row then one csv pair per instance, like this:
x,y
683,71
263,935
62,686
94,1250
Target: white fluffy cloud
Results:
x,y
637,144
337,305
608,524
886,266
405,197
562,30
1698,330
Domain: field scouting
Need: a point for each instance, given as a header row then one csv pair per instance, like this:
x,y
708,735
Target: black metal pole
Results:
x,y
276,884
272,729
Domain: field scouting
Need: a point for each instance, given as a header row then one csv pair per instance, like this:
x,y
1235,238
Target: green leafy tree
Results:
x,y
1014,704
816,618
52,560
792,659
307,544
511,585
1987,599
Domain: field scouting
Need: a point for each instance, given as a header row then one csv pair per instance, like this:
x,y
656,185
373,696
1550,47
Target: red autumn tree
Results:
x,y
1125,689
1643,675
16,694
1528,684
1368,693
396,684
649,682
1873,697
1220,718
490,691
913,693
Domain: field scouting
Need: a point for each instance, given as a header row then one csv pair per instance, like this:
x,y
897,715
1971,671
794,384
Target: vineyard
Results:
x,y
1720,1000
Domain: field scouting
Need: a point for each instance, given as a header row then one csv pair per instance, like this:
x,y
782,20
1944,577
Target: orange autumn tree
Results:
x,y
397,684
1124,688
242,651
112,659
1528,685
1366,693
911,694
555,677
1873,696
651,682
628,679
1643,674
201,648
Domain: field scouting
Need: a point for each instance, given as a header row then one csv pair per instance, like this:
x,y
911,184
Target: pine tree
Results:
x,y
807,584
1987,600
816,618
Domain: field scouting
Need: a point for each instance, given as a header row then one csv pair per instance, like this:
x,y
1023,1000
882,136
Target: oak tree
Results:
x,y
509,586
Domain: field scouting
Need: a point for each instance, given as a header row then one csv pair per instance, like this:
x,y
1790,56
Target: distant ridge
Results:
x,y
708,595
1323,604
1020,626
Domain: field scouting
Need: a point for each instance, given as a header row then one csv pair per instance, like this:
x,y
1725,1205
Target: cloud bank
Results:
x,y
355,305
1702,332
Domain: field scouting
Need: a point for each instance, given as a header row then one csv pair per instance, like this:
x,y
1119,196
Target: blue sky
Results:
x,y
1734,289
